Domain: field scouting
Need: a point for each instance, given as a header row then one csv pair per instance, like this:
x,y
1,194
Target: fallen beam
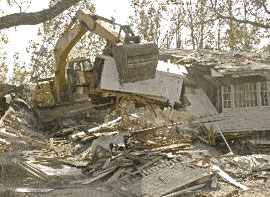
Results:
x,y
228,178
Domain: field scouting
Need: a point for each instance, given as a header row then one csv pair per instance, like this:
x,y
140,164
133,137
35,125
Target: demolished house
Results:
x,y
228,91
134,147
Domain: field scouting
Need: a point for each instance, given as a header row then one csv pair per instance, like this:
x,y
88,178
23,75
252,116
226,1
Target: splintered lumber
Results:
x,y
164,179
5,133
4,142
172,147
158,127
91,180
228,178
115,176
104,125
140,169
224,138
190,189
83,134
32,190
33,170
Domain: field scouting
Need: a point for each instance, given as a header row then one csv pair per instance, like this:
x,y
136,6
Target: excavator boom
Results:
x,y
134,61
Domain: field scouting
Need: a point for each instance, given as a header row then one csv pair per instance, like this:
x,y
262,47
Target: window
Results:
x,y
245,95
227,101
264,93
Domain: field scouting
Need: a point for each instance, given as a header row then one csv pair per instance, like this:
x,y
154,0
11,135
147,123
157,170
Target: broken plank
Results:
x,y
228,178
4,142
115,176
5,133
33,170
190,189
32,190
171,147
140,169
91,180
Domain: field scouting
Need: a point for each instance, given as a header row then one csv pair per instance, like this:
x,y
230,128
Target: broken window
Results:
x,y
227,101
245,95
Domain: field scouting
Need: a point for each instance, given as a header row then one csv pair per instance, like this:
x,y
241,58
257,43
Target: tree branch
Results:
x,y
33,18
266,26
265,8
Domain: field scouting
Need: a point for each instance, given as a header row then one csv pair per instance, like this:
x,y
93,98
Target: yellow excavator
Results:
x,y
135,61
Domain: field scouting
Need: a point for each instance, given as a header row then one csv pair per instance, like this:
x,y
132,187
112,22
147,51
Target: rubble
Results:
x,y
132,149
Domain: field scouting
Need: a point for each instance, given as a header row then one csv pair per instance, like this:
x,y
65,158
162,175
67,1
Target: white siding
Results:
x,y
165,86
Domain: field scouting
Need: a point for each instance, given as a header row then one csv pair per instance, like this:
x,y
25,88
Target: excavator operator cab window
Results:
x,y
81,65
87,65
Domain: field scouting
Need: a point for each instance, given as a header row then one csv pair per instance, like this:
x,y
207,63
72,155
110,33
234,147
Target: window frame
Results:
x,y
258,100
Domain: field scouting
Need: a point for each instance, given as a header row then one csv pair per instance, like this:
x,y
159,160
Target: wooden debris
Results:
x,y
214,182
4,133
32,190
224,138
228,177
172,147
115,176
100,176
196,187
28,167
4,142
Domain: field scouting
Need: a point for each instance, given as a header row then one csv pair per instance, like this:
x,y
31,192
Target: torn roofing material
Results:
x,y
223,62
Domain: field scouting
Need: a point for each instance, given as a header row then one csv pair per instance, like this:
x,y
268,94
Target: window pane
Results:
x,y
227,97
264,94
245,95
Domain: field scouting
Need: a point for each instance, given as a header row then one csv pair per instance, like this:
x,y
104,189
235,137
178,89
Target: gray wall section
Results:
x,y
200,105
165,86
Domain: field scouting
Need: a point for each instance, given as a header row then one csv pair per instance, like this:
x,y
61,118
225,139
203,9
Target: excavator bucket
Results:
x,y
136,62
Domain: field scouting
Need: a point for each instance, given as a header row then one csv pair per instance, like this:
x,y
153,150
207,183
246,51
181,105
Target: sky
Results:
x,y
20,36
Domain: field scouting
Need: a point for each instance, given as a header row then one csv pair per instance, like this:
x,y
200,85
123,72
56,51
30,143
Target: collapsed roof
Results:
x,y
223,62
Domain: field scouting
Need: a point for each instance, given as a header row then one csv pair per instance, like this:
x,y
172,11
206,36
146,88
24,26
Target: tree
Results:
x,y
3,68
148,19
33,18
240,34
175,23
42,58
20,72
258,7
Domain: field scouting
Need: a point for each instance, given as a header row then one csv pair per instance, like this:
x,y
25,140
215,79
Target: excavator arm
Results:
x,y
69,39
135,58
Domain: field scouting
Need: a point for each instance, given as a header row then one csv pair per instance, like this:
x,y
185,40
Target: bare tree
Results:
x,y
259,6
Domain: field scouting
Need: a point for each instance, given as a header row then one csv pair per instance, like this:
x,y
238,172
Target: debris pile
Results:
x,y
133,149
